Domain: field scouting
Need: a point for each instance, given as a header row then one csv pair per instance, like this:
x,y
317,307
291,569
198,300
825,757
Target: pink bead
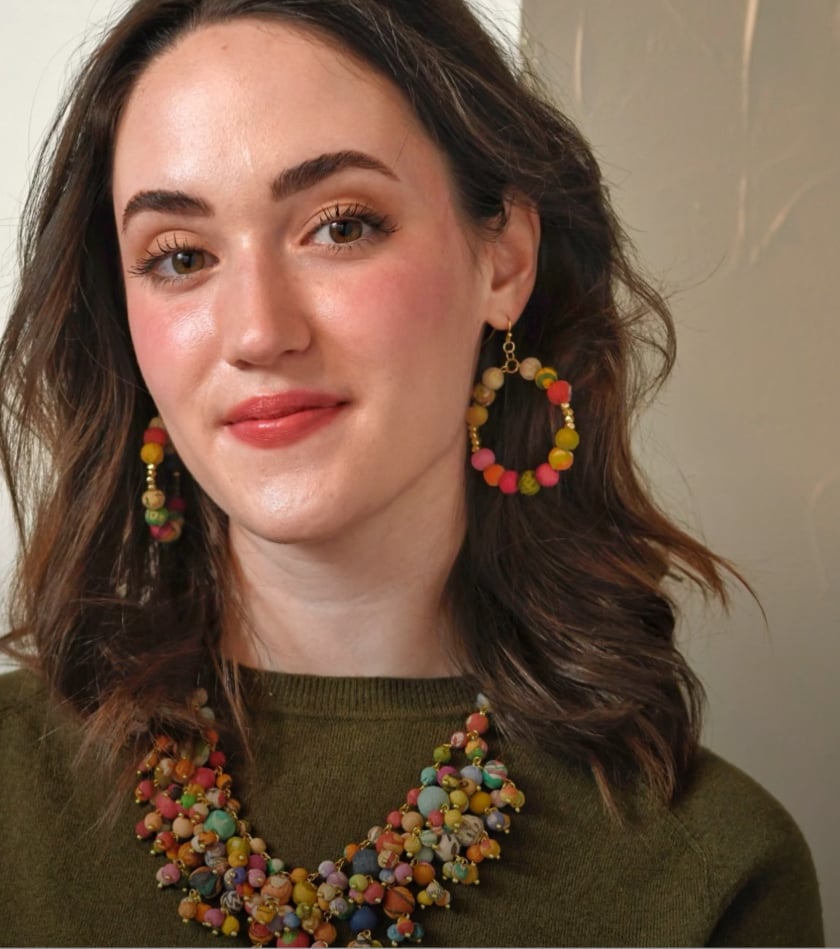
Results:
x,y
403,873
257,862
145,789
394,819
142,831
444,772
411,797
546,475
168,874
458,740
214,918
482,459
435,818
167,807
509,482
559,392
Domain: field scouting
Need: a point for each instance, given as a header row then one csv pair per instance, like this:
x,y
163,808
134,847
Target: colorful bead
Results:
x,y
509,482
560,459
546,475
567,438
528,483
493,378
493,474
483,394
482,459
476,415
545,376
559,392
529,367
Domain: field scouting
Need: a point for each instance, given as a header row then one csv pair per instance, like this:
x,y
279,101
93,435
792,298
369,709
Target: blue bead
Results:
x,y
386,876
394,934
291,920
365,862
431,799
365,917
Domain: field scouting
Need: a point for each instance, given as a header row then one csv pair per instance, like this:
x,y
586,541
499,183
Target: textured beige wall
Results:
x,y
717,126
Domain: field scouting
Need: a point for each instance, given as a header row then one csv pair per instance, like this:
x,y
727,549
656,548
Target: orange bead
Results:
x,y
493,474
560,459
299,875
423,873
350,851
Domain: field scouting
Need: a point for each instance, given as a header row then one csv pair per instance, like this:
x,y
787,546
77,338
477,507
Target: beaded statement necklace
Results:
x,y
439,835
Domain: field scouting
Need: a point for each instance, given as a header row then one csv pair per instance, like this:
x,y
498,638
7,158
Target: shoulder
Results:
x,y
760,877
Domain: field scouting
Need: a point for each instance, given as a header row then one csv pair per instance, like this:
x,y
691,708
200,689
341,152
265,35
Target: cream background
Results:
x,y
718,129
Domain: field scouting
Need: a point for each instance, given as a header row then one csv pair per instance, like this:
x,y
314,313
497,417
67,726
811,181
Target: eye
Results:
x,y
186,262
352,224
172,260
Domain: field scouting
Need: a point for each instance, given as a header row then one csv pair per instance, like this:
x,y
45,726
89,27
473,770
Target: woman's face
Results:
x,y
304,297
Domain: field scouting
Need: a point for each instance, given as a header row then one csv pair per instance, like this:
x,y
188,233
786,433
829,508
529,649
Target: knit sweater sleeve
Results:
x,y
762,884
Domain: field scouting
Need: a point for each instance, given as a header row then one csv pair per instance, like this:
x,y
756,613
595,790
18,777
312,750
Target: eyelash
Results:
x,y
145,266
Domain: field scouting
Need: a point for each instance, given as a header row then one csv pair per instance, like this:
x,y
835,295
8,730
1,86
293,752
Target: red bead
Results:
x,y
156,436
217,759
167,807
411,797
509,482
478,722
560,392
394,819
177,504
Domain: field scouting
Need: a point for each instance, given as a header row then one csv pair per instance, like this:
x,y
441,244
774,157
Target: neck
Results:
x,y
365,603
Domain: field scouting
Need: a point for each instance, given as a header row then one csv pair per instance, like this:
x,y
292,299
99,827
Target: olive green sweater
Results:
x,y
724,866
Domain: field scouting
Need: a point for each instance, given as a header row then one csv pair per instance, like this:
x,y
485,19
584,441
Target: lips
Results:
x,y
272,421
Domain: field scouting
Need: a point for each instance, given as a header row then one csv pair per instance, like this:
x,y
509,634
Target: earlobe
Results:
x,y
513,258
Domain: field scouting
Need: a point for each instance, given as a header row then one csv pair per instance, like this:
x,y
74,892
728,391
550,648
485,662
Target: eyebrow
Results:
x,y
288,182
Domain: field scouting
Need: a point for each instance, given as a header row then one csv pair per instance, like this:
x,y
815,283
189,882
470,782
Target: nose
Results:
x,y
261,311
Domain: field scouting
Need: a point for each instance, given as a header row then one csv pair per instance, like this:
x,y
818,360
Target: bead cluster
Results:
x,y
165,517
566,439
439,835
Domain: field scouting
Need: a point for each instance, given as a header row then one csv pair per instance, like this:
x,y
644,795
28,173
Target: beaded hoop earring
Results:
x,y
566,439
165,517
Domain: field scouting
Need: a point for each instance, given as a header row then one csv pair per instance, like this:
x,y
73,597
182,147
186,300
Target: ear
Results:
x,y
511,259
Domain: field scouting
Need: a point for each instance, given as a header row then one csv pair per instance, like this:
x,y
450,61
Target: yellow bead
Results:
x,y
305,893
230,926
459,799
528,483
567,438
560,459
476,415
152,453
480,801
545,377
453,818
154,499
493,378
483,395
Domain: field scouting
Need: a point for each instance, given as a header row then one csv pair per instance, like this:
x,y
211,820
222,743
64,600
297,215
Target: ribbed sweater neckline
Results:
x,y
362,697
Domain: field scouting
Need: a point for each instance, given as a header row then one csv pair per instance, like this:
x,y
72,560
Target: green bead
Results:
x,y
528,483
187,800
221,823
567,438
442,754
545,377
157,516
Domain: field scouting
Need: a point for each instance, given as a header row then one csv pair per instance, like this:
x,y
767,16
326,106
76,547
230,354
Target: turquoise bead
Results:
x,y
428,776
431,799
221,823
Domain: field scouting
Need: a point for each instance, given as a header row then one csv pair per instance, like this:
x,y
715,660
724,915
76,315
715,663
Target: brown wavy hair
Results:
x,y
561,599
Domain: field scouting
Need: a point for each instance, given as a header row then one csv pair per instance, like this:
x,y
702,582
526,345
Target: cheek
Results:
x,y
170,341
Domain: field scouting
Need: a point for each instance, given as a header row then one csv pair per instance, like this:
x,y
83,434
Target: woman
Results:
x,y
278,249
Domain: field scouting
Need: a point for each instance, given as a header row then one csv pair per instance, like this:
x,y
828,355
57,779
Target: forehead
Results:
x,y
254,90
